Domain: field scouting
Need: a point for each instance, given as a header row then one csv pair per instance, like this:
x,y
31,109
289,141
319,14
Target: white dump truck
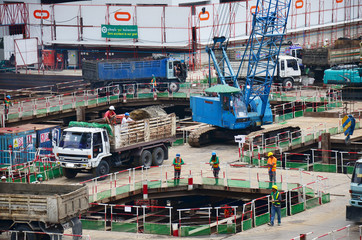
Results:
x,y
41,208
287,71
92,147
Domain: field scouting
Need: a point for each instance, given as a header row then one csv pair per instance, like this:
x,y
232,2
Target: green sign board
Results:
x,y
119,31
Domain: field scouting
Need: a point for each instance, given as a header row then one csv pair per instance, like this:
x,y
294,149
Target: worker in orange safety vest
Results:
x,y
272,168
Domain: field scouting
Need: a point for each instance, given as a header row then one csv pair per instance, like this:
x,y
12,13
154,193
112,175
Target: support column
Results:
x,y
326,147
80,111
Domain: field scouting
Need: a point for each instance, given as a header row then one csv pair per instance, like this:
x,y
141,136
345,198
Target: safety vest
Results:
x,y
272,161
153,81
7,102
215,164
275,197
177,163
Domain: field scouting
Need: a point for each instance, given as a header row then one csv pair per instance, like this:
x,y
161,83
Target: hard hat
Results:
x,y
112,108
178,155
39,175
126,114
8,96
270,154
275,187
3,177
153,75
213,153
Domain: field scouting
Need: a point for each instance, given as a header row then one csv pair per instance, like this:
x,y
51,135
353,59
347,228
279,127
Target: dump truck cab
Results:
x,y
82,148
354,211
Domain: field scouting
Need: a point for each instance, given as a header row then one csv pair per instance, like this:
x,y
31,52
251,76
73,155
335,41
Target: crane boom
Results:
x,y
225,60
263,47
249,108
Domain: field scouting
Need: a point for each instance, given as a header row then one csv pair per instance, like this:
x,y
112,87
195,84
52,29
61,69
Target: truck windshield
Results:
x,y
239,107
75,140
299,53
357,173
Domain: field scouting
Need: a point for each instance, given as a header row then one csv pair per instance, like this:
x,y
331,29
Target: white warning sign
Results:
x,y
18,142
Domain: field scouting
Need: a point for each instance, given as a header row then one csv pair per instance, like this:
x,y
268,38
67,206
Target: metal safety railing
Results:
x,y
341,233
115,93
298,197
99,96
230,175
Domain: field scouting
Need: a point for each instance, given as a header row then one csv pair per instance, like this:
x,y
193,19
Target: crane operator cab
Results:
x,y
232,109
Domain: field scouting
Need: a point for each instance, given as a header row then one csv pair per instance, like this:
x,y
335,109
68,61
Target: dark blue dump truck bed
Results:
x,y
133,70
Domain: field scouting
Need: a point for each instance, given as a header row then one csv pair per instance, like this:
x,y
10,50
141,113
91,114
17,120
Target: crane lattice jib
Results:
x,y
268,30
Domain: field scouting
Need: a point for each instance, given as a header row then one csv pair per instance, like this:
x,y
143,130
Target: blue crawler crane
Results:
x,y
242,110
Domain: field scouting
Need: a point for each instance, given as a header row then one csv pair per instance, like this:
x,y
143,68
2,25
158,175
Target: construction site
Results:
x,y
181,119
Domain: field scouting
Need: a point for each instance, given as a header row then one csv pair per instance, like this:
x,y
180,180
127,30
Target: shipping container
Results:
x,y
24,140
21,141
44,135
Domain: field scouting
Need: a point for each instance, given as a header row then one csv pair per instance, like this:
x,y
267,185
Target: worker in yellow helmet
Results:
x,y
272,168
276,200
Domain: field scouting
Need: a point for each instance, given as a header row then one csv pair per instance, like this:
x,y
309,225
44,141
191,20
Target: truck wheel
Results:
x,y
173,87
20,235
161,87
145,159
102,169
157,156
69,173
288,84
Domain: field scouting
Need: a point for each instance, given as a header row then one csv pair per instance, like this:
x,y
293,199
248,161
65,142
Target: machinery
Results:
x,y
240,112
129,75
354,210
42,208
92,147
348,75
343,52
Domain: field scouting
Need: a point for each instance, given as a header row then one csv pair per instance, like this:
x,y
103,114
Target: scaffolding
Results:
x,y
184,35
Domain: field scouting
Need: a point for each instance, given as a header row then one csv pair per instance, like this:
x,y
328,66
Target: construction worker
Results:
x,y
228,211
276,200
177,162
7,103
272,168
39,178
126,120
153,83
215,165
110,115
3,179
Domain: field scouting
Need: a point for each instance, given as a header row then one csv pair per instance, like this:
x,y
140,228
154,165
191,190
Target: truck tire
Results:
x,y
20,235
145,159
161,87
157,156
69,173
288,84
173,87
102,169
